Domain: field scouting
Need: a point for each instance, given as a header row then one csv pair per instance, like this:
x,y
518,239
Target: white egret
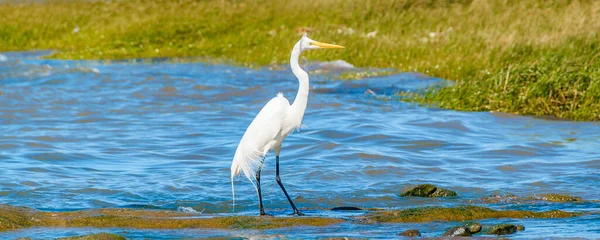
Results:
x,y
272,125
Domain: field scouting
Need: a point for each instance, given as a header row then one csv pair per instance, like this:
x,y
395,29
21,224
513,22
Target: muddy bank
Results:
x,y
17,217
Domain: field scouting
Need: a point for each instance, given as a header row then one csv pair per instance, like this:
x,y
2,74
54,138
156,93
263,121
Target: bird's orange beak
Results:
x,y
325,45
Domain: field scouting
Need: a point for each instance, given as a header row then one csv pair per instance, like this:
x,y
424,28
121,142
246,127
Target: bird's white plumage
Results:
x,y
275,121
267,130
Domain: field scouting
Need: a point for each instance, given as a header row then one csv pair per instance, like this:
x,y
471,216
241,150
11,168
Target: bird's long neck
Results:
x,y
299,105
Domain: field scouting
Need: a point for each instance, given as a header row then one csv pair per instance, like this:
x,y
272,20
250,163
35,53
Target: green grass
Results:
x,y
531,57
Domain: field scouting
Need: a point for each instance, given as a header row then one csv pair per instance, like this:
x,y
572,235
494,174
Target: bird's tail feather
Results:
x,y
232,193
248,163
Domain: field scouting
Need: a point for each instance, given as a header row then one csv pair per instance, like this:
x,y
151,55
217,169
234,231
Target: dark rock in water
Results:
x,y
458,232
474,227
346,208
503,229
520,227
463,231
428,190
96,236
410,233
423,190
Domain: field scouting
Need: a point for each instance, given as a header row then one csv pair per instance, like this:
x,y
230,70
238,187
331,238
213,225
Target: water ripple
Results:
x,y
85,134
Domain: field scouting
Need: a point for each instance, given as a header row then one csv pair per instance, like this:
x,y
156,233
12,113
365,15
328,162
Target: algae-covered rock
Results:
x,y
410,233
17,217
463,231
520,227
118,220
96,236
552,197
427,190
464,213
496,198
458,232
503,229
513,199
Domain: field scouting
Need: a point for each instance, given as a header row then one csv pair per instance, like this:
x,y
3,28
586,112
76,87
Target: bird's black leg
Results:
x,y
262,209
283,188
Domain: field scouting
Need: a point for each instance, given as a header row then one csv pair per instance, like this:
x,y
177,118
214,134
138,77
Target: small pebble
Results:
x,y
458,232
410,233
503,229
475,227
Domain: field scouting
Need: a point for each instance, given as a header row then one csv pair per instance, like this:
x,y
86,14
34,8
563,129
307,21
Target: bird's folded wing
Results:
x,y
260,137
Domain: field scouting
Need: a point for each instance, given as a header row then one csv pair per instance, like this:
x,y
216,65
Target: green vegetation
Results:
x,y
519,56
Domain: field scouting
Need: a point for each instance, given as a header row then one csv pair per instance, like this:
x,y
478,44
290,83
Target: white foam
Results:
x,y
188,210
86,69
3,58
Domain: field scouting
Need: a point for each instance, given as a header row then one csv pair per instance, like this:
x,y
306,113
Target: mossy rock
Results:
x,y
423,190
460,231
17,217
428,190
96,236
550,197
464,213
463,231
503,229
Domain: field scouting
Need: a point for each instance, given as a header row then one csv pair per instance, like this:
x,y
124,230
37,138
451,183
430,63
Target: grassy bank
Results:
x,y
528,57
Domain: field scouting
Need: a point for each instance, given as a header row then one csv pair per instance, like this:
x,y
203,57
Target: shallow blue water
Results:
x,y
85,134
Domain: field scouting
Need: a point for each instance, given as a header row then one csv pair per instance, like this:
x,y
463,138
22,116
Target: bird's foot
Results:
x,y
263,214
296,212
